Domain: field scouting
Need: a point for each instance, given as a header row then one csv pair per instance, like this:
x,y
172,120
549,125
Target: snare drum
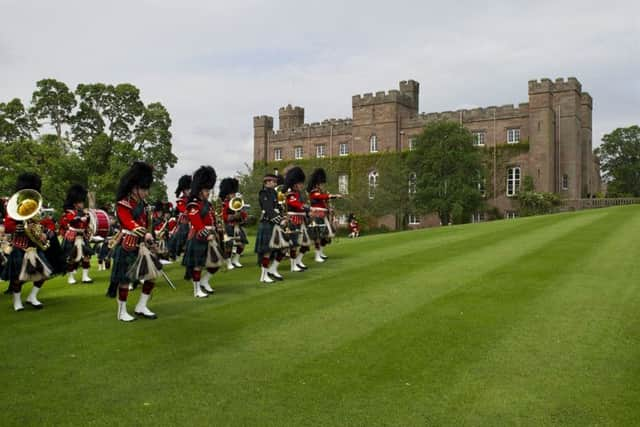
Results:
x,y
99,222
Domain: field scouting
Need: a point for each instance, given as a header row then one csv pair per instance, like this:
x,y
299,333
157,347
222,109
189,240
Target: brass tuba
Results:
x,y
236,204
25,205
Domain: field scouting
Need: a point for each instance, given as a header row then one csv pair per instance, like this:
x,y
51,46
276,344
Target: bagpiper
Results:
x,y
75,222
297,213
178,237
234,217
130,249
26,261
320,229
202,251
270,239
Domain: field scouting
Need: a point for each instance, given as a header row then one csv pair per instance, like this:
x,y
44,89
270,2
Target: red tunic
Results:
x,y
201,225
73,222
131,217
319,205
296,206
181,205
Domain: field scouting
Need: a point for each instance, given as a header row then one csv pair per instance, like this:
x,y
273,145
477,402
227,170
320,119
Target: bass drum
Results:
x,y
99,223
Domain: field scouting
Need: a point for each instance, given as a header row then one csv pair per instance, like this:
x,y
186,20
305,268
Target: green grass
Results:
x,y
533,321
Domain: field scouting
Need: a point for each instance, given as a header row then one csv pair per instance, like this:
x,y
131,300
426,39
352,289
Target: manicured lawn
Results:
x,y
534,321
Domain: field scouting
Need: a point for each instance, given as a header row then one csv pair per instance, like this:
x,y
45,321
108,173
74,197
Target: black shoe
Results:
x,y
274,277
202,288
302,267
37,307
87,281
154,317
324,257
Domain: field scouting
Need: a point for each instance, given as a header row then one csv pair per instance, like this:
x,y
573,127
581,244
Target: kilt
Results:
x,y
103,251
265,230
230,229
68,245
179,239
195,253
318,229
122,262
13,266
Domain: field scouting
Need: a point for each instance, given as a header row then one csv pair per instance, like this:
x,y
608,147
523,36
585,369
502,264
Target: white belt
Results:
x,y
296,214
208,227
77,230
128,232
320,209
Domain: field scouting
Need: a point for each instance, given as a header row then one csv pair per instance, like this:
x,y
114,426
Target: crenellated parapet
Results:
x,y
263,121
382,97
507,111
560,85
586,99
326,128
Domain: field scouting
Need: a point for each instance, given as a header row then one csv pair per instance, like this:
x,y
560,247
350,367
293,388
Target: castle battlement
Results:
x,y
326,128
560,85
265,121
474,114
586,99
291,109
382,97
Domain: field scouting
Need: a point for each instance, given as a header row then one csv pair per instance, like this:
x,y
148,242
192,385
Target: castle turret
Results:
x,y
262,128
542,135
291,117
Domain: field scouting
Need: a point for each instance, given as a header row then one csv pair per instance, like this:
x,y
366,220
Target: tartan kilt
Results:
x,y
103,251
195,253
265,230
231,232
179,239
68,245
13,266
122,262
294,237
317,229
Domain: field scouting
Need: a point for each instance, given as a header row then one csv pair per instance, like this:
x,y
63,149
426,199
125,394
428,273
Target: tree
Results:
x,y
15,122
448,169
52,100
620,161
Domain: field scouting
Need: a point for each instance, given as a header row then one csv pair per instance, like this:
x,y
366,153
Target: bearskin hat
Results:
x,y
140,174
295,175
228,186
29,180
76,193
317,177
203,178
184,183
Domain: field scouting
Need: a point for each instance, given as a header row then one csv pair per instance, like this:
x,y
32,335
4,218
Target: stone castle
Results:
x,y
553,128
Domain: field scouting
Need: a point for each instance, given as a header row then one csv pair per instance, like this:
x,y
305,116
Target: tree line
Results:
x,y
88,136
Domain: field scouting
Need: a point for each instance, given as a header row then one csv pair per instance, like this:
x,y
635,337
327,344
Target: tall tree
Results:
x,y
620,161
15,122
53,101
447,168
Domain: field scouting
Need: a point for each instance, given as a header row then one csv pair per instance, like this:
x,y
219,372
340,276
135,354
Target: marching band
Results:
x,y
141,236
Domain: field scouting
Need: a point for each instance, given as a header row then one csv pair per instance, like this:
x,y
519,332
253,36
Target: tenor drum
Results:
x,y
99,222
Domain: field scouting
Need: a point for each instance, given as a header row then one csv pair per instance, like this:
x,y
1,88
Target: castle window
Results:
x,y
344,148
513,181
511,214
343,183
482,187
412,144
373,183
413,219
565,182
342,219
277,154
478,139
513,135
320,150
373,144
413,181
297,152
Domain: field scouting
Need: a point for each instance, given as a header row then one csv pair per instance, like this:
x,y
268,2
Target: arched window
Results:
x,y
373,183
413,181
373,144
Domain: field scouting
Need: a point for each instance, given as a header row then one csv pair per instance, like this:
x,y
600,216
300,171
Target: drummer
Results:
x,y
75,222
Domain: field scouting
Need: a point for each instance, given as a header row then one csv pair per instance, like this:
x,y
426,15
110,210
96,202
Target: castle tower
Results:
x,y
542,152
291,117
378,116
567,99
262,129
589,187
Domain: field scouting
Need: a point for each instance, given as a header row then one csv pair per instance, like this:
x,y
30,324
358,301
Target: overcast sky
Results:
x,y
216,64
